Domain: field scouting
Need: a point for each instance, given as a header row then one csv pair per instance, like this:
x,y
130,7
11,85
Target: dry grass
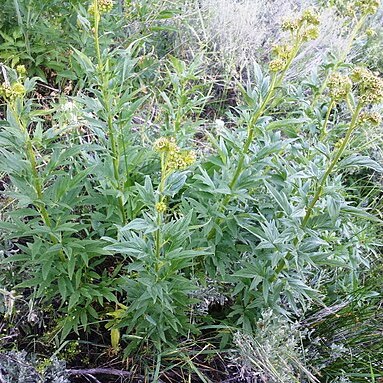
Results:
x,y
244,31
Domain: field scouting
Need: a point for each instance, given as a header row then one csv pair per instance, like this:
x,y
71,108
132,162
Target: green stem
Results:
x,y
106,97
342,58
115,154
37,183
323,132
161,186
158,237
251,131
335,160
96,34
319,191
275,83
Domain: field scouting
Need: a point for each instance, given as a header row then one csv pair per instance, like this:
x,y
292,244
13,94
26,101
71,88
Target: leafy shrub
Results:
x,y
119,220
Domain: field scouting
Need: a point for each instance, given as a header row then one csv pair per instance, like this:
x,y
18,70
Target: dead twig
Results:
x,y
94,379
99,371
90,372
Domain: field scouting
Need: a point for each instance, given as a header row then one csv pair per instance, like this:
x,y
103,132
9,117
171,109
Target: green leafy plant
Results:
x,y
129,218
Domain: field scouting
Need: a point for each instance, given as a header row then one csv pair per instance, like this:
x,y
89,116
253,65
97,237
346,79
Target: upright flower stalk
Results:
x,y
339,87
360,11
97,8
344,142
172,159
14,95
370,91
302,29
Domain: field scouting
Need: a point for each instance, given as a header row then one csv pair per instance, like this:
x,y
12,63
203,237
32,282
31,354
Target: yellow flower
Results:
x,y
370,32
282,51
311,33
12,91
21,70
277,65
367,7
161,144
181,160
310,16
369,85
373,118
339,86
5,90
161,207
17,89
190,158
290,25
175,159
105,5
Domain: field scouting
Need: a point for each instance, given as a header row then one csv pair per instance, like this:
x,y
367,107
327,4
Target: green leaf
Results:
x,y
71,266
280,198
74,298
83,60
356,160
139,224
15,258
46,269
67,328
359,212
174,183
62,288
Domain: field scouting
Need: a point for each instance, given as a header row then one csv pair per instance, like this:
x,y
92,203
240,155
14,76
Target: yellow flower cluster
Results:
x,y
161,207
13,91
372,118
303,28
370,32
339,86
21,70
104,6
370,86
283,51
277,65
310,33
310,16
306,24
290,25
176,159
367,7
164,144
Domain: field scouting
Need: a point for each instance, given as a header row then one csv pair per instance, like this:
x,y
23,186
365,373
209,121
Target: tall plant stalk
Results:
x,y
37,181
338,154
319,190
276,81
31,156
109,113
342,57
